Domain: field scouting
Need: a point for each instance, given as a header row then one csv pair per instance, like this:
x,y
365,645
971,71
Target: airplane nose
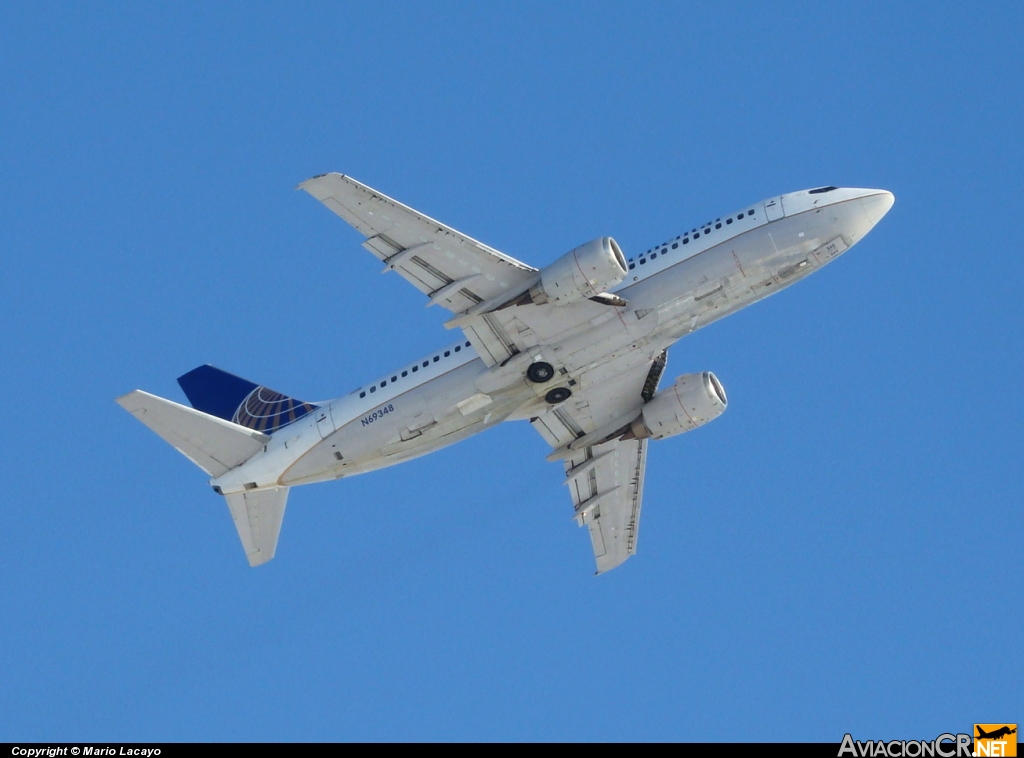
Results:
x,y
877,204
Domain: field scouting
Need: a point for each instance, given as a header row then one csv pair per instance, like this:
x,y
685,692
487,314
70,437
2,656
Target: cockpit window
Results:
x,y
821,190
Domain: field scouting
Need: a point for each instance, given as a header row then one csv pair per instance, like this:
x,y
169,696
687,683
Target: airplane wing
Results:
x,y
454,270
465,276
607,495
482,287
605,478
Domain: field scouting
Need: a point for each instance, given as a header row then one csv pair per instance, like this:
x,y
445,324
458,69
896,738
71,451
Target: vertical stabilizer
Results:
x,y
258,515
240,401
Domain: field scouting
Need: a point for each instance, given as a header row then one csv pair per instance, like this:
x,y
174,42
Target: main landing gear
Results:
x,y
540,372
558,395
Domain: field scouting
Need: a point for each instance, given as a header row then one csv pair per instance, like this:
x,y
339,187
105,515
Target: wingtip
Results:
x,y
126,399
302,185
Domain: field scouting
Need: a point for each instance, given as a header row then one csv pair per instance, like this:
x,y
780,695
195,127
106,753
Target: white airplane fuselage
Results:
x,y
671,290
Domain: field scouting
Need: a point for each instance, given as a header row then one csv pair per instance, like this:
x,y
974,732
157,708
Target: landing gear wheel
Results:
x,y
558,395
540,372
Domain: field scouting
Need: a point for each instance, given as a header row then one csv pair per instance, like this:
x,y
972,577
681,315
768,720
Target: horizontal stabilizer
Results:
x,y
258,515
232,398
213,444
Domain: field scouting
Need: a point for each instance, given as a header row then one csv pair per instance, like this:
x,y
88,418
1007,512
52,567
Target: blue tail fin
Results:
x,y
233,398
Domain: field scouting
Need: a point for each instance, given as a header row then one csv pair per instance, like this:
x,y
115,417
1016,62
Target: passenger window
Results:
x,y
718,226
675,245
728,221
373,388
362,394
632,266
696,235
458,348
405,373
447,353
437,358
426,363
686,240
750,213
394,379
467,344
739,216
415,369
643,261
382,384
653,256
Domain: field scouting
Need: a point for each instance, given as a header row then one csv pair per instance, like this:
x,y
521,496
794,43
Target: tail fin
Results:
x,y
215,445
258,515
240,401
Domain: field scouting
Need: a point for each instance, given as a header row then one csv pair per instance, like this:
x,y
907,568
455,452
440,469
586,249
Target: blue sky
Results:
x,y
836,553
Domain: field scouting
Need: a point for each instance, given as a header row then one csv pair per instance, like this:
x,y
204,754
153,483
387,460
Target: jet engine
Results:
x,y
583,272
694,400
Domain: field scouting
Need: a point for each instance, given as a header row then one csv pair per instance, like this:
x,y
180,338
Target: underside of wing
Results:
x,y
605,474
453,270
607,486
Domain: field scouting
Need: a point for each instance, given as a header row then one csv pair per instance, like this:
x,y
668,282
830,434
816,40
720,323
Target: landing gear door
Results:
x,y
773,208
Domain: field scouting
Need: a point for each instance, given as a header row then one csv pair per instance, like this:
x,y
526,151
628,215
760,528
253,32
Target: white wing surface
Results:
x,y
472,280
213,444
607,493
605,477
453,270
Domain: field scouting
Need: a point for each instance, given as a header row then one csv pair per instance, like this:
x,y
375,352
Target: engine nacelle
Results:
x,y
694,400
584,272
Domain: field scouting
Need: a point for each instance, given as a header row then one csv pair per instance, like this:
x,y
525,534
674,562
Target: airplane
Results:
x,y
995,734
576,348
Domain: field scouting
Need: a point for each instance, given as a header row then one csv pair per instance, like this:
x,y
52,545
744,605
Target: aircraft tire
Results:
x,y
540,372
558,395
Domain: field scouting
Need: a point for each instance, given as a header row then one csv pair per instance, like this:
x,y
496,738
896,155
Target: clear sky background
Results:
x,y
839,552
